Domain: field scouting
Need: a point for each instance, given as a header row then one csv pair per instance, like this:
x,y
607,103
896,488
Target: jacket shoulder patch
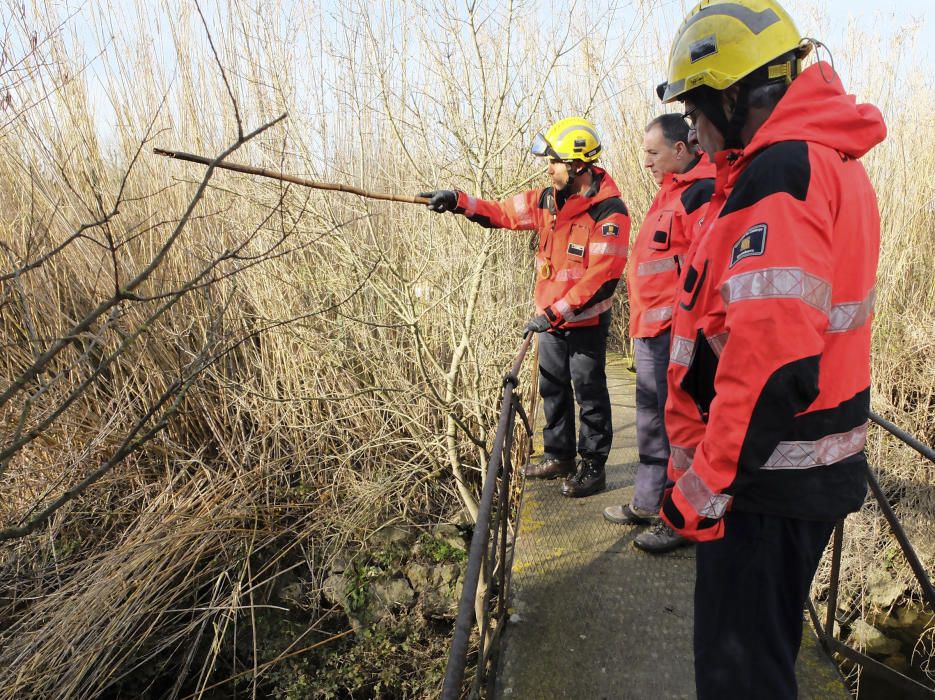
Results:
x,y
781,168
697,194
611,230
750,244
607,207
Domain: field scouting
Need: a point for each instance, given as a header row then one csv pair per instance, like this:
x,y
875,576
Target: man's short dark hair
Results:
x,y
674,128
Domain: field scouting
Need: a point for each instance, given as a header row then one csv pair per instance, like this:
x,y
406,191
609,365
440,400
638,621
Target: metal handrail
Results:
x,y
826,631
483,542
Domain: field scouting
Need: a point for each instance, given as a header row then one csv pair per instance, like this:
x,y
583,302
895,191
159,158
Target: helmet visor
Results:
x,y
540,147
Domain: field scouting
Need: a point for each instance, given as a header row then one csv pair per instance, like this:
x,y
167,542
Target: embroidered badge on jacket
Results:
x,y
610,230
575,250
753,242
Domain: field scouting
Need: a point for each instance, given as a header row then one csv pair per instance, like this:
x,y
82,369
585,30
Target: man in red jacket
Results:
x,y
771,336
584,229
685,185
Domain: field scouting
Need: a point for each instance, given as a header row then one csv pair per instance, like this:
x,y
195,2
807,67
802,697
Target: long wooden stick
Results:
x,y
250,170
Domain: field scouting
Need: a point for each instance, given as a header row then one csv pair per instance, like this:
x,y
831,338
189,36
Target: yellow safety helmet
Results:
x,y
568,140
722,41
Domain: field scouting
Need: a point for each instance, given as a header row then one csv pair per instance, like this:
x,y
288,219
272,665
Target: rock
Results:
x,y
419,576
390,593
389,535
335,590
450,535
882,589
872,640
901,618
448,574
437,587
341,562
439,605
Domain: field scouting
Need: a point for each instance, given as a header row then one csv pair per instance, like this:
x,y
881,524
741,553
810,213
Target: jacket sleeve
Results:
x,y
519,213
607,256
684,424
775,290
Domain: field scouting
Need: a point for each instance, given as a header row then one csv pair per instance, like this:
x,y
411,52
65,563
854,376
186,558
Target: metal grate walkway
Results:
x,y
592,616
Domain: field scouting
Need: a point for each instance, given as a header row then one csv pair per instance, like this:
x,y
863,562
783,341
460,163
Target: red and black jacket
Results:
x,y
582,245
771,336
659,250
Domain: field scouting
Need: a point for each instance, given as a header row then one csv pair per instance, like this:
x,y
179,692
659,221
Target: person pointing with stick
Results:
x,y
583,230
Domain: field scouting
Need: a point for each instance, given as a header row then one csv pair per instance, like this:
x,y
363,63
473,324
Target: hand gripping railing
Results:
x,y
488,553
826,632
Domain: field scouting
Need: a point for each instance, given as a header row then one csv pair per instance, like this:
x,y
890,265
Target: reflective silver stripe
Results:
x,y
682,349
614,249
718,342
658,313
778,283
523,215
564,154
471,208
705,502
564,309
569,273
755,21
851,315
654,267
805,454
682,457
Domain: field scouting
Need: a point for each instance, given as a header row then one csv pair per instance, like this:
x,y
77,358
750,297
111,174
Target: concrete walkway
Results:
x,y
592,616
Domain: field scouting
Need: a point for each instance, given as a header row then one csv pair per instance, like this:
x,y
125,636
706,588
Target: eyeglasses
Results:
x,y
689,116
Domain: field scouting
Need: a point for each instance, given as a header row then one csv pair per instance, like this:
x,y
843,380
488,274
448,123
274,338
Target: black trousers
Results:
x,y
571,368
750,592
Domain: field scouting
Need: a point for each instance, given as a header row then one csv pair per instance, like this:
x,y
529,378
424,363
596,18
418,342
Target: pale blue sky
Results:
x,y
832,21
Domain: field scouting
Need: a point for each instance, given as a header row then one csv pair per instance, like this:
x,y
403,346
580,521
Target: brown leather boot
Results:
x,y
550,468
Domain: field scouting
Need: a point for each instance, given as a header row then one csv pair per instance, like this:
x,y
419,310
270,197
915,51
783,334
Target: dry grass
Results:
x,y
325,365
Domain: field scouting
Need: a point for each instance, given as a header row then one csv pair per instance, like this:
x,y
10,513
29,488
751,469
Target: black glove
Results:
x,y
537,324
441,200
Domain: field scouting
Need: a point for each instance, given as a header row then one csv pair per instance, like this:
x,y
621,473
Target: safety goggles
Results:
x,y
540,147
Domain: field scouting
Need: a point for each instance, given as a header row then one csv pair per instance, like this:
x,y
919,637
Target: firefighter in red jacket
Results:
x,y
584,229
771,335
685,186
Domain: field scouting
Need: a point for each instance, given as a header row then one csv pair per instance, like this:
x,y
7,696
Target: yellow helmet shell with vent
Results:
x,y
721,42
570,139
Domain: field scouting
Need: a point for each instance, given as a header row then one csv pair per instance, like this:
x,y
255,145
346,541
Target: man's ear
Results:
x,y
729,100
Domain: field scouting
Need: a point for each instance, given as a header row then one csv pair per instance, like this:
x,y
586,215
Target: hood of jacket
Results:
x,y
816,109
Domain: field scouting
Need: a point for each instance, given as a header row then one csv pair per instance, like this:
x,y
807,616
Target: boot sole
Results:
x,y
582,494
549,477
662,550
625,521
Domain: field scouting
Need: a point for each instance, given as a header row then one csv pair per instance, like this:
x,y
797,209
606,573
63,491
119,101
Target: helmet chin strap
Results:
x,y
572,176
709,102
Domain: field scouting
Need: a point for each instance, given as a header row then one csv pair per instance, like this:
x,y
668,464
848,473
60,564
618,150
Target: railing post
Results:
x,y
836,548
480,540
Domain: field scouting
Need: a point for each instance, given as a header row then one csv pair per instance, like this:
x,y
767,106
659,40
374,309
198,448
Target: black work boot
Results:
x,y
550,468
589,479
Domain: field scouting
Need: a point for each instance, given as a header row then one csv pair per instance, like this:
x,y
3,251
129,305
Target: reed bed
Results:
x,y
212,385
